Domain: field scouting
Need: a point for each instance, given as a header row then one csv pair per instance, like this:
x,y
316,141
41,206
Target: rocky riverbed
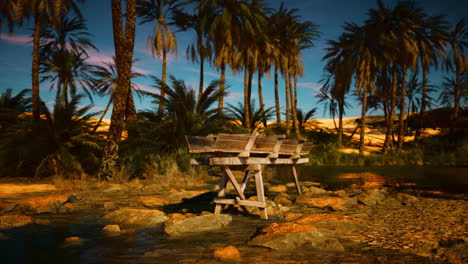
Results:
x,y
393,224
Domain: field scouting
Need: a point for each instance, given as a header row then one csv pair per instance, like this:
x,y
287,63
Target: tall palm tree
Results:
x,y
124,38
458,40
431,40
40,11
163,40
237,113
8,14
11,106
63,53
104,82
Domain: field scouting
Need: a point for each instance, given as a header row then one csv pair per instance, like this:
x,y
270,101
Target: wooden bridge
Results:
x,y
247,152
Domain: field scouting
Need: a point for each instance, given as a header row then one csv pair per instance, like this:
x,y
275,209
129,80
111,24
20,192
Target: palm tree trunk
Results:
x,y
389,133
340,122
202,65
297,131
130,112
222,80
124,43
288,103
401,125
36,100
260,98
277,101
98,124
423,101
163,79
458,61
363,121
246,98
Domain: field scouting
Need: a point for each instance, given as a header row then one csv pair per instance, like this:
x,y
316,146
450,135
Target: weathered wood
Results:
x,y
234,143
200,144
306,148
246,161
260,193
296,180
250,143
245,180
234,182
221,192
240,202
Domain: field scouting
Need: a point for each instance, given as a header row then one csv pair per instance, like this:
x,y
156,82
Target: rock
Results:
x,y
10,221
6,207
291,185
44,203
151,201
313,190
110,205
111,228
352,201
341,193
369,200
73,241
229,253
377,193
310,183
278,188
67,208
456,253
72,199
271,207
333,222
407,199
290,236
284,199
292,216
336,203
179,196
139,217
179,225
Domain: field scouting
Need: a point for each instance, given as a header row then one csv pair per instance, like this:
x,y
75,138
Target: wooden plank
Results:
x,y
306,148
240,202
221,192
245,180
252,139
233,181
288,147
200,144
253,160
260,193
296,180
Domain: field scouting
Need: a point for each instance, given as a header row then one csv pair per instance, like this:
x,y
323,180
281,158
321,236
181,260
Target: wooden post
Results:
x,y
245,181
260,194
234,182
296,180
221,192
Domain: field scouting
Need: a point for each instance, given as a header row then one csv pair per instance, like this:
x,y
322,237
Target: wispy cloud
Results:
x,y
310,85
103,58
170,57
23,40
191,69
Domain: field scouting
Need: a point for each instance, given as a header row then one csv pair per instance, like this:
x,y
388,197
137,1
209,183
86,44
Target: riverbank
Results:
x,y
373,223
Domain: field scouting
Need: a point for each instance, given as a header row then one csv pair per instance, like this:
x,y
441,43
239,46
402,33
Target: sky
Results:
x,y
329,15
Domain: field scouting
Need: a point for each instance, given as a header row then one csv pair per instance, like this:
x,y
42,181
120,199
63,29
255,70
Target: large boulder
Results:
x,y
334,222
136,217
150,201
311,191
291,236
9,221
44,203
228,254
407,199
179,225
336,203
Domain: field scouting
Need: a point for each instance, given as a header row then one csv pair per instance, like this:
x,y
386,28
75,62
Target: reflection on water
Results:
x,y
445,179
44,243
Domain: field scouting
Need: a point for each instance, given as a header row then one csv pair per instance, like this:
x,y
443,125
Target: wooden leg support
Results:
x,y
296,180
222,192
260,194
245,181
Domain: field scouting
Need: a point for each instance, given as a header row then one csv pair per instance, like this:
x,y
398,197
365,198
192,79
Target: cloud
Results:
x,y
23,40
191,69
170,57
103,58
310,85
146,88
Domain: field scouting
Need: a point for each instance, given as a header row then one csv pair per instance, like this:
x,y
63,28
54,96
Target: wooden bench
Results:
x,y
247,152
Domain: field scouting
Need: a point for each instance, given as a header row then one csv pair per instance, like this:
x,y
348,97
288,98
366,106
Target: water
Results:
x,y
44,243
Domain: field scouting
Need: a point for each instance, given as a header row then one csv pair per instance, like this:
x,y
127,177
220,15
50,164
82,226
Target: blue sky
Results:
x,y
330,15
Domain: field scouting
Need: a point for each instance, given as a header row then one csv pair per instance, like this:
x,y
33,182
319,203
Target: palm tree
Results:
x,y
163,40
186,113
302,117
104,82
11,106
458,40
8,14
63,53
431,40
200,50
124,38
41,11
447,97
237,113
